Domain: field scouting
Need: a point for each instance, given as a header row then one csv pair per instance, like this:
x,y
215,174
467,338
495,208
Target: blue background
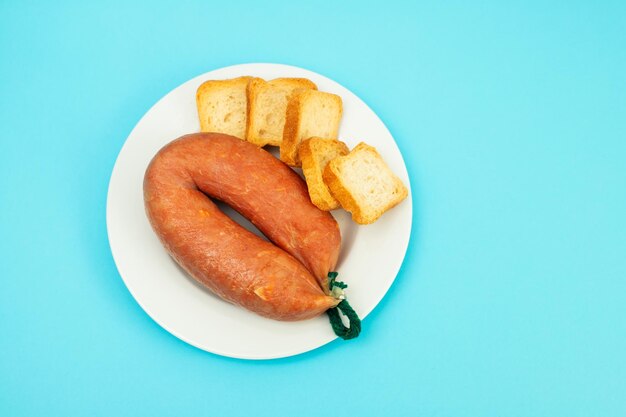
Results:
x,y
512,121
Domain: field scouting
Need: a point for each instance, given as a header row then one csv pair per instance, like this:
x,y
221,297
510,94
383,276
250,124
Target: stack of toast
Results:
x,y
293,114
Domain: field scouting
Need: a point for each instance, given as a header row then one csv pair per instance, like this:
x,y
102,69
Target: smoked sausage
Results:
x,y
286,280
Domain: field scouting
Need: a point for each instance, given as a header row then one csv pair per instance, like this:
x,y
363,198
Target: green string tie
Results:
x,y
336,290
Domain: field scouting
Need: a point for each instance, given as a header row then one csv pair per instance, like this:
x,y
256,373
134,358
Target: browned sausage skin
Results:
x,y
234,263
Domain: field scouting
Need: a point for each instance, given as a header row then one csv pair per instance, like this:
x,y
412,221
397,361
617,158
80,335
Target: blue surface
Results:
x,y
512,121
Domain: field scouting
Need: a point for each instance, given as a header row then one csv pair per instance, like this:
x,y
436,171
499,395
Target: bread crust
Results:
x,y
288,148
341,193
313,172
251,95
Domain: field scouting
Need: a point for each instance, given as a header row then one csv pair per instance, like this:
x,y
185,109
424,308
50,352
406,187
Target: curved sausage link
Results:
x,y
234,263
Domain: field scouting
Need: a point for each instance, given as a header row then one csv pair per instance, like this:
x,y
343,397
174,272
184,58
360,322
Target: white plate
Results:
x,y
370,257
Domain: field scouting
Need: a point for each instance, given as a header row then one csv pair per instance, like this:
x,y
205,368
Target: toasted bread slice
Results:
x,y
315,154
222,106
309,113
267,104
364,184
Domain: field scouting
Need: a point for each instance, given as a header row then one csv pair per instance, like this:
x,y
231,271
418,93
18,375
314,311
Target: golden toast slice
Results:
x,y
315,154
309,113
267,105
363,184
222,106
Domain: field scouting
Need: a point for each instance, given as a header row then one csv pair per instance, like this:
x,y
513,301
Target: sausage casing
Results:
x,y
286,281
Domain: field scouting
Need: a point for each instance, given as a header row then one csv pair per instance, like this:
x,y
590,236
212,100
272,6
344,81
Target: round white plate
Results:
x,y
370,256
